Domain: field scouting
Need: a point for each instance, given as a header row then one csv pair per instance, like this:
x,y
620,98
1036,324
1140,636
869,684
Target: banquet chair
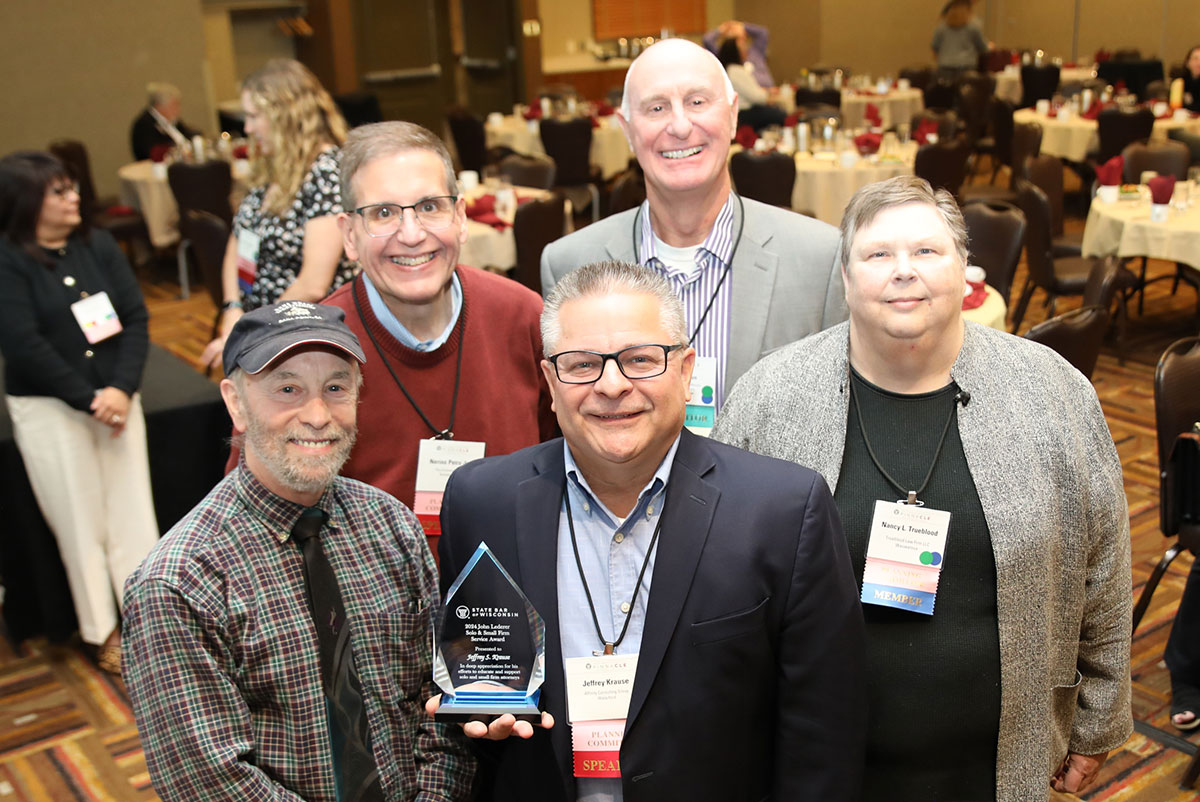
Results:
x,y
1165,158
972,108
1075,335
470,141
126,225
995,233
1026,142
1176,411
628,191
528,171
536,225
946,119
1046,172
199,187
765,177
944,165
1119,128
940,94
806,97
209,236
1000,118
1038,83
1105,284
918,77
1064,276
569,143
359,108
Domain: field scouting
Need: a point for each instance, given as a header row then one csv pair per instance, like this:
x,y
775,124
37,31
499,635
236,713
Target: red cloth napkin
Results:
x,y
1109,173
868,143
1161,188
872,114
483,210
241,152
745,137
926,127
595,121
533,113
866,92
1101,55
158,153
124,211
603,109
977,297
791,120
1093,112
1053,112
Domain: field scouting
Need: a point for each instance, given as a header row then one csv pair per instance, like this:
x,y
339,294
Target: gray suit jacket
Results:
x,y
1049,479
786,280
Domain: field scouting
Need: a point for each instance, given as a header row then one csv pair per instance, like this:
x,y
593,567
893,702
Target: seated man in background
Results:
x,y
1002,460
159,122
277,639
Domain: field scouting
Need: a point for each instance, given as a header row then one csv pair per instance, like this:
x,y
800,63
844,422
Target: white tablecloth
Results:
x,y
1075,137
610,151
824,188
1124,228
991,313
897,106
151,195
490,248
1008,83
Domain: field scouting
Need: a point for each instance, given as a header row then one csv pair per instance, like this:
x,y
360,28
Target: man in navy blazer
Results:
x,y
724,572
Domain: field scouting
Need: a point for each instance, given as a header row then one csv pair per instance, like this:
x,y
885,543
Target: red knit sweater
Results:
x,y
503,399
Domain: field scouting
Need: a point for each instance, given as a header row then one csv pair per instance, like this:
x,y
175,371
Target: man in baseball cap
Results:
x,y
278,638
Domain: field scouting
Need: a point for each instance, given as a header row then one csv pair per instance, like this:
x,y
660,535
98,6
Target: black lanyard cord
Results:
x,y
912,494
609,647
438,434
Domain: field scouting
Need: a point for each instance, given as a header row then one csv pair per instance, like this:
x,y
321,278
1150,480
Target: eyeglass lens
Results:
x,y
635,362
384,219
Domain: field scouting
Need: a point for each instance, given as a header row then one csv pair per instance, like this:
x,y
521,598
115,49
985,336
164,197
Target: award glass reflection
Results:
x,y
489,655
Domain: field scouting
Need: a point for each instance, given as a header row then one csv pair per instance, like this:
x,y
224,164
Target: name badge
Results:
x,y
247,258
905,554
436,460
599,689
96,317
702,406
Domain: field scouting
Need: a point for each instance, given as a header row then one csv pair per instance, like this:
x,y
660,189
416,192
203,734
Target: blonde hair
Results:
x,y
302,120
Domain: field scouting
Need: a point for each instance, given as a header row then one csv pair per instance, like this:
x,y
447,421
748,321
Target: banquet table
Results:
x,y
491,248
993,313
147,190
186,431
610,151
1124,228
1074,138
1008,81
895,106
824,187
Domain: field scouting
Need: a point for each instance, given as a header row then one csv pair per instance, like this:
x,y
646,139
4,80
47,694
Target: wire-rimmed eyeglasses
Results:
x,y
385,219
634,362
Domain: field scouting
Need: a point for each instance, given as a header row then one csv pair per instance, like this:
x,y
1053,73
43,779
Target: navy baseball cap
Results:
x,y
262,336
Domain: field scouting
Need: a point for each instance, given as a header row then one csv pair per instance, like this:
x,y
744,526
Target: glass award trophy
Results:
x,y
489,653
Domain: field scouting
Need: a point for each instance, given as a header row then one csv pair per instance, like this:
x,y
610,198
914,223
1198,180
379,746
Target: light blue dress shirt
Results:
x,y
611,551
396,328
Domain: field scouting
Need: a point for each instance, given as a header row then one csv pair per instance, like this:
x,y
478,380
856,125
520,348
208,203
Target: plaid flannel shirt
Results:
x,y
221,654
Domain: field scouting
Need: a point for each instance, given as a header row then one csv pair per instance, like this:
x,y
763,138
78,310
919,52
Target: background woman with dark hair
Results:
x,y
73,332
754,107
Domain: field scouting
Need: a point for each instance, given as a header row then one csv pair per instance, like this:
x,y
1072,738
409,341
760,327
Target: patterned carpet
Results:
x,y
66,731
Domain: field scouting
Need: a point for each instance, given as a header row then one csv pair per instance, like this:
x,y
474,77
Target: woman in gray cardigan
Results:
x,y
1019,679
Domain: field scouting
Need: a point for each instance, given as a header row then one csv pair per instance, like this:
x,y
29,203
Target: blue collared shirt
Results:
x,y
696,287
396,328
611,551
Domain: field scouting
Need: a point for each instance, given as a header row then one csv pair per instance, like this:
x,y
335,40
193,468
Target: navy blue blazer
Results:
x,y
749,684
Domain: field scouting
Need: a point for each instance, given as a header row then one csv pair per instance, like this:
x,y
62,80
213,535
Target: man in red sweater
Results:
x,y
453,352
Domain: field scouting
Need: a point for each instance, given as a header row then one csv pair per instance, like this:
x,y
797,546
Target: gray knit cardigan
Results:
x,y
1048,477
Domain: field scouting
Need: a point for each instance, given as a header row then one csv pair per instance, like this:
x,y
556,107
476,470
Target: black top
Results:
x,y
45,352
933,682
145,134
1191,86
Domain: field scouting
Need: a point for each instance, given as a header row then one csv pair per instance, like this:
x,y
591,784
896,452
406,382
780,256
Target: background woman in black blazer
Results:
x,y
73,332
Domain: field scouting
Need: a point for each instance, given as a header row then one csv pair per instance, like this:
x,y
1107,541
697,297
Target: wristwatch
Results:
x,y
225,307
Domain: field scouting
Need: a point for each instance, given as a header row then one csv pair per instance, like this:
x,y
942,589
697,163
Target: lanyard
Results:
x,y
438,434
912,494
610,647
724,273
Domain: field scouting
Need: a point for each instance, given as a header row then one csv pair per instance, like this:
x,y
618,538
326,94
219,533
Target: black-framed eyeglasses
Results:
x,y
63,190
385,219
634,362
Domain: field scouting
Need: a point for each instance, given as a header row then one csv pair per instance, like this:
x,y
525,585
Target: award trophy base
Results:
x,y
488,705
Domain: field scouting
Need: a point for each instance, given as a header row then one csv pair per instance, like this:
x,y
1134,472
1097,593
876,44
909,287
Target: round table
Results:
x,y
895,107
1008,81
991,313
824,187
144,186
1075,137
495,249
1124,228
610,151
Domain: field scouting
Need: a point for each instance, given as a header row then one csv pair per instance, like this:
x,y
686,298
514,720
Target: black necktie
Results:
x,y
354,765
